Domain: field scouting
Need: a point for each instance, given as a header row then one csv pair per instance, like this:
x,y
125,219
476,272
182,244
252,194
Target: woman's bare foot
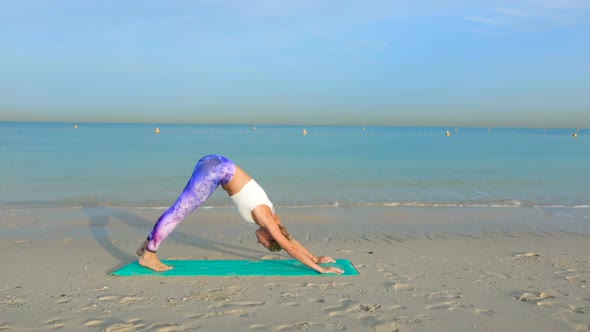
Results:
x,y
151,261
141,249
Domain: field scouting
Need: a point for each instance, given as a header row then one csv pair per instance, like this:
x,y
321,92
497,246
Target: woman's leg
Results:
x,y
210,172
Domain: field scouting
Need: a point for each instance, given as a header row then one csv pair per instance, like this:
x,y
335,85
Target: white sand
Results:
x,y
421,270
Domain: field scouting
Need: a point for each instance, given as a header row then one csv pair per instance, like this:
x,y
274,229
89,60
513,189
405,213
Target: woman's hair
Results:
x,y
274,245
285,232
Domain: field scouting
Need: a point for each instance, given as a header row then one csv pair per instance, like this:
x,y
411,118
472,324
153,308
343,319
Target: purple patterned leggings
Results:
x,y
210,172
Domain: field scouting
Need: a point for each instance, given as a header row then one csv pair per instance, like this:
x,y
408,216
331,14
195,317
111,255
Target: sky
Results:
x,y
396,63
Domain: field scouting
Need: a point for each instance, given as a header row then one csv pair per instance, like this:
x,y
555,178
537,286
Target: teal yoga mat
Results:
x,y
234,268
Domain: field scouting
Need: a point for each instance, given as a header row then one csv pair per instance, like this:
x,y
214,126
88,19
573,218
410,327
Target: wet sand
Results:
x,y
421,269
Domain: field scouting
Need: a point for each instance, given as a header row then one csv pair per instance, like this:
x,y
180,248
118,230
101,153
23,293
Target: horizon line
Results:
x,y
516,126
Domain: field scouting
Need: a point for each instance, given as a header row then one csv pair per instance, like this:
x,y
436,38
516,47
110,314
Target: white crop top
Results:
x,y
248,198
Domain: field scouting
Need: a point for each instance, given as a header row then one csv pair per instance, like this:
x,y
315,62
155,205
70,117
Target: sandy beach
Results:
x,y
421,269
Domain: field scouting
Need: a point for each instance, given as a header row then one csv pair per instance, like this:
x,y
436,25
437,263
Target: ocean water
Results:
x,y
129,165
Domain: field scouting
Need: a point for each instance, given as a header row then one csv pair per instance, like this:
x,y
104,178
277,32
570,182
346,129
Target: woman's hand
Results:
x,y
332,270
324,259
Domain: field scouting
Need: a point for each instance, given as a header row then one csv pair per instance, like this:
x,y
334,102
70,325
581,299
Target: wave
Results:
x,y
333,204
498,204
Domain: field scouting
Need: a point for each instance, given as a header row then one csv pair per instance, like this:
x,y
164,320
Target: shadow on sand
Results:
x,y
100,217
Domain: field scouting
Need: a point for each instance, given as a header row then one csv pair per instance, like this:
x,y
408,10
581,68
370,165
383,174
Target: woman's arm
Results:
x,y
316,259
266,219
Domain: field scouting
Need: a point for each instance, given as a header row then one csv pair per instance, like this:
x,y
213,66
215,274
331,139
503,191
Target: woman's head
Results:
x,y
264,238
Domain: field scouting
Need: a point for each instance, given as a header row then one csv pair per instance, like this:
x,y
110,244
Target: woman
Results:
x,y
251,201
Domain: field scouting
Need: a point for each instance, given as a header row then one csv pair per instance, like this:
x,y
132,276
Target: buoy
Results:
x,y
575,134
448,133
75,126
304,132
157,130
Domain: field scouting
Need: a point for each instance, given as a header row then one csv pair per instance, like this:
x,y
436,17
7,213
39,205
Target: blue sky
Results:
x,y
446,62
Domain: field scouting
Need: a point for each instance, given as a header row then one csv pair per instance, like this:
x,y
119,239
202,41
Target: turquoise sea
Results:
x,y
130,165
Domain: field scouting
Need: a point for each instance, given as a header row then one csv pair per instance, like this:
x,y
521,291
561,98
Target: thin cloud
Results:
x,y
533,14
484,20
